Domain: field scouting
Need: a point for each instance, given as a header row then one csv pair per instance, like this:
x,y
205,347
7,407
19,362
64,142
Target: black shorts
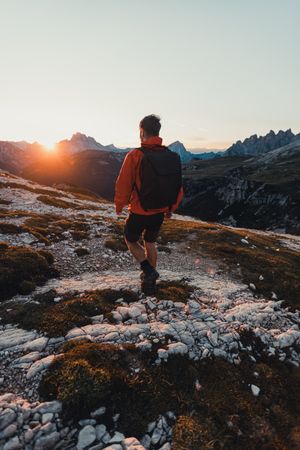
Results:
x,y
149,225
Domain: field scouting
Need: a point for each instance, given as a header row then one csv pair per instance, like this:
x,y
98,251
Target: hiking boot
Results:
x,y
148,282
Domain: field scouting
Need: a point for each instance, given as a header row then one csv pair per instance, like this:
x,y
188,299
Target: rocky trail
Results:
x,y
204,313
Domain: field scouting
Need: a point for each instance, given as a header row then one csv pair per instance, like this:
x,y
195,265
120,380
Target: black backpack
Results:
x,y
161,178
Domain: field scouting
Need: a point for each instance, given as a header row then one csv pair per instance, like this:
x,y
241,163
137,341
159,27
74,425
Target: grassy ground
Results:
x,y
212,399
262,256
46,228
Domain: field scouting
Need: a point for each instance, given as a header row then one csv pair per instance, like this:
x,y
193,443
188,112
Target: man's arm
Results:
x,y
175,206
179,198
124,183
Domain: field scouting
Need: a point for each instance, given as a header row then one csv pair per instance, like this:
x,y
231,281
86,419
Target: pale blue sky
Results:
x,y
215,71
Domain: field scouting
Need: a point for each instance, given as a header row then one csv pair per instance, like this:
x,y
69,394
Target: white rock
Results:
x,y
47,442
117,437
177,348
9,431
37,344
30,357
255,390
86,437
244,241
100,431
39,365
134,312
156,435
162,353
6,418
75,333
13,444
288,338
131,443
98,412
47,417
114,447
15,336
48,407
166,446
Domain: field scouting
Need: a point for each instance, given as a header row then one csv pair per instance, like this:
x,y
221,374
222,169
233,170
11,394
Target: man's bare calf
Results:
x,y
144,253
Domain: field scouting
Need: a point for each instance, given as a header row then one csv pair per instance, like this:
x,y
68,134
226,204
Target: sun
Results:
x,y
49,144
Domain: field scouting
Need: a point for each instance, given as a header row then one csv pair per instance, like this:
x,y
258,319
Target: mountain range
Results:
x,y
254,183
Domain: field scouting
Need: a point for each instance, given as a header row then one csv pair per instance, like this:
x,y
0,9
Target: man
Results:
x,y
149,182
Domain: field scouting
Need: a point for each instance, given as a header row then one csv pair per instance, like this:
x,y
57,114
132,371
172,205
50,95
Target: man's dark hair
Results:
x,y
151,125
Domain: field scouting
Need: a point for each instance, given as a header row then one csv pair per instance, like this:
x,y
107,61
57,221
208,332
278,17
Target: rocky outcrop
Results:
x,y
259,192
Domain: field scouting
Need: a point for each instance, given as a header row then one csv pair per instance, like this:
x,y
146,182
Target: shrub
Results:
x,y
20,266
83,386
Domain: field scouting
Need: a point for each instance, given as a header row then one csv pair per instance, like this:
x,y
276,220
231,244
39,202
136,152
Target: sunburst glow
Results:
x,y
49,145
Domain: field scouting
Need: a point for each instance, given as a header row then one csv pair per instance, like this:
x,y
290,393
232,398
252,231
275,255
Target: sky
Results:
x,y
215,71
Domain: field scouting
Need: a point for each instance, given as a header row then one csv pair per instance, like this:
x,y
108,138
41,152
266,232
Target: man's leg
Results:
x,y
151,253
136,250
133,229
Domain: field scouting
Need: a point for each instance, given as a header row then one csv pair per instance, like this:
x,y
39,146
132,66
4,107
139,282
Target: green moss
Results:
x,y
21,267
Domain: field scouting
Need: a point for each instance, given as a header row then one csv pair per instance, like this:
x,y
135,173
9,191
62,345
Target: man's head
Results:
x,y
149,126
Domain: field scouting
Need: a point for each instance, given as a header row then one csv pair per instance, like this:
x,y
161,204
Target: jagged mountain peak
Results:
x,y
256,145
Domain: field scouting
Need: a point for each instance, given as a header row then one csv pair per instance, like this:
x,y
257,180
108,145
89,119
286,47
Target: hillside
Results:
x,y
91,169
260,192
88,362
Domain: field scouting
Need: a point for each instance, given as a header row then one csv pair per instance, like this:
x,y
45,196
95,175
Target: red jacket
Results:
x,y
130,175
